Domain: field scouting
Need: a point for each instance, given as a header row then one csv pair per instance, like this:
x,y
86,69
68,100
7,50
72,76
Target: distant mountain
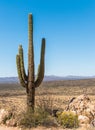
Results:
x,y
9,80
69,77
46,78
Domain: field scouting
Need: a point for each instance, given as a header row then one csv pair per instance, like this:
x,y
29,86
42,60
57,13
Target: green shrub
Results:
x,y
30,119
68,119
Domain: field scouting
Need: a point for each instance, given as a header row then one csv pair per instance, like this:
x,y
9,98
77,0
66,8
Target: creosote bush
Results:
x,y
33,119
68,119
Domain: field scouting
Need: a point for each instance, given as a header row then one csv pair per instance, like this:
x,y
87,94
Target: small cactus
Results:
x,y
28,80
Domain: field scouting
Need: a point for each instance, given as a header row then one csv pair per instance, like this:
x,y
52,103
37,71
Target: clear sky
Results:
x,y
67,25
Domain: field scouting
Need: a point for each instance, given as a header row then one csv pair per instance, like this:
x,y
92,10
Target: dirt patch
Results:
x,y
9,128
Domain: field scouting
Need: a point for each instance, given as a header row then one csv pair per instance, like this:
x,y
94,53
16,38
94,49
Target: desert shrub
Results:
x,y
29,119
68,119
46,103
49,103
8,117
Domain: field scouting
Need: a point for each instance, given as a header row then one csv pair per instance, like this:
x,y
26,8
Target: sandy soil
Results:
x,y
41,128
8,128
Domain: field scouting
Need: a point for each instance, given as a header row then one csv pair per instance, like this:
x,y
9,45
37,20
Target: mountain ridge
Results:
x,y
46,78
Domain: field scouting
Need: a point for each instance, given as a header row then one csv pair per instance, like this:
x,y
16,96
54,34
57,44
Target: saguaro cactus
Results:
x,y
28,80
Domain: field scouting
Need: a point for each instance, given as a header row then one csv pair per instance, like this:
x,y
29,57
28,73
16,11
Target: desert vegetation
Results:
x,y
50,96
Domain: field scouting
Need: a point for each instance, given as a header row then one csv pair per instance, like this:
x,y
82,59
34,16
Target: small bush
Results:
x,y
30,119
7,117
68,119
46,103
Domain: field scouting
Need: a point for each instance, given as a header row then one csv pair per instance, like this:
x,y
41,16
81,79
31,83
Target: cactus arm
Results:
x,y
24,76
31,75
40,74
19,71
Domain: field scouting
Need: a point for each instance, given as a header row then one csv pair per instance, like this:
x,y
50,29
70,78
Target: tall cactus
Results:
x,y
28,80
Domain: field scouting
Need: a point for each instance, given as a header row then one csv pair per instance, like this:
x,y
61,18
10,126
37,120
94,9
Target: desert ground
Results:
x,y
54,94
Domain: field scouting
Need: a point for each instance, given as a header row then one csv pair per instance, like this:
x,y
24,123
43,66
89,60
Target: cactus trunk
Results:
x,y
31,96
28,81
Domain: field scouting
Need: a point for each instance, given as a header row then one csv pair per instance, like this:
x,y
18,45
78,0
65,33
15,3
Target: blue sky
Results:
x,y
67,25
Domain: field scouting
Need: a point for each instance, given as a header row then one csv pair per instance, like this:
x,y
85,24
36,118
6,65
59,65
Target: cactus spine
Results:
x,y
28,81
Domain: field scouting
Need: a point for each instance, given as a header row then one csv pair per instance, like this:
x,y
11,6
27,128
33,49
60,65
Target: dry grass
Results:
x,y
55,95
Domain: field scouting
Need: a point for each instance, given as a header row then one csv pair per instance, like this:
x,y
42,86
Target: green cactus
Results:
x,y
28,81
